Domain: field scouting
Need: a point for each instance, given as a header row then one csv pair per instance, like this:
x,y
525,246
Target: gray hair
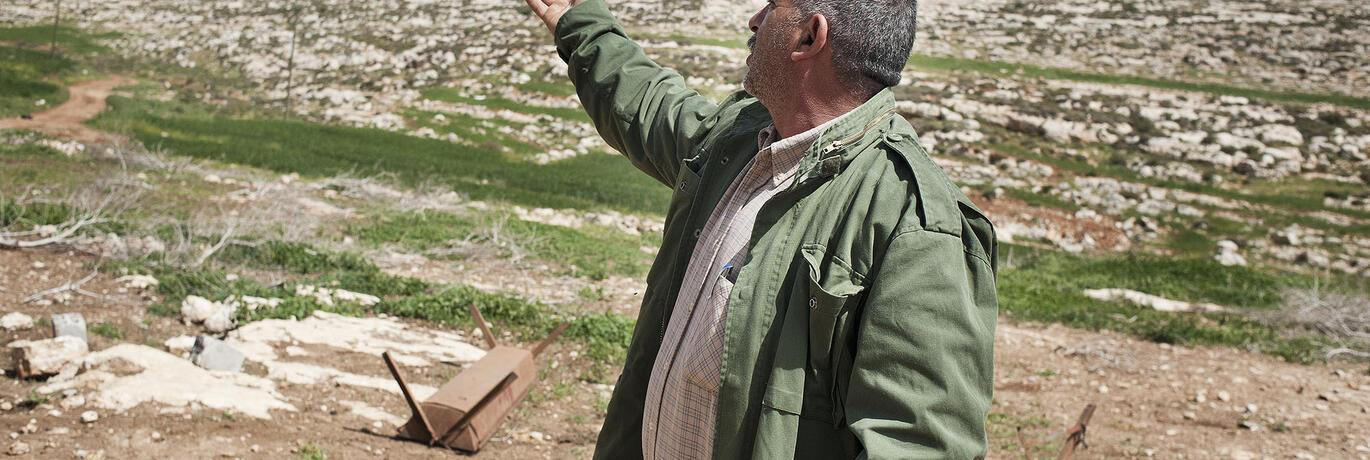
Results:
x,y
871,39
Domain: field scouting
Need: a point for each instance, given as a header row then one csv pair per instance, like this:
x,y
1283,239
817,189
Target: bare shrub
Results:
x,y
1343,318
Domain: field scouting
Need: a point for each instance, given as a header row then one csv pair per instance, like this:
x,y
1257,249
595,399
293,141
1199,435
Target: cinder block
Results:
x,y
69,325
215,355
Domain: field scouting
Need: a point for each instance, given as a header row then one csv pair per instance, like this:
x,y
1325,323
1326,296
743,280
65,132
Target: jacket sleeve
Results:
x,y
922,377
639,108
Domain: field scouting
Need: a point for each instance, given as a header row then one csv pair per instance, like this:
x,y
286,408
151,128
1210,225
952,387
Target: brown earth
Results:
x,y
1147,395
87,99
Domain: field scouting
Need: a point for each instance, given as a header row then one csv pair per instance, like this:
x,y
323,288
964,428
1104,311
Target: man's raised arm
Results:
x,y
640,108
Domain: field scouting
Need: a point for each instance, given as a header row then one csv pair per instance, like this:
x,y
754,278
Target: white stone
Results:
x,y
169,380
89,416
1148,300
46,357
179,345
16,321
196,309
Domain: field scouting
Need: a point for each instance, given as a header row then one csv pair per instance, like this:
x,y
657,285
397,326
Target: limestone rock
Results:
x,y
195,309
16,321
35,358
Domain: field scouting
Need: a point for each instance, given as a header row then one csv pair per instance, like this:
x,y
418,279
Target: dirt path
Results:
x,y
67,120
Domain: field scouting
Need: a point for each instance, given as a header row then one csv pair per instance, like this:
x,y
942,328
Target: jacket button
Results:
x,y
684,185
813,303
724,161
698,232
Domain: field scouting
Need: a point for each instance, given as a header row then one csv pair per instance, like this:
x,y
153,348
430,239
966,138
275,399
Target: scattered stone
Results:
x,y
72,402
222,319
6,406
140,282
46,357
1249,425
69,325
1228,255
196,309
19,448
90,416
16,321
1224,396
180,345
1190,416
215,355
1148,300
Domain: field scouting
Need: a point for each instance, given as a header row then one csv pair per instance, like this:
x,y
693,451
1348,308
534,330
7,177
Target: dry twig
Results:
x,y
73,287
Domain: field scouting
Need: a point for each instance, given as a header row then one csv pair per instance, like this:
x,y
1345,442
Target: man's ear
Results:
x,y
813,38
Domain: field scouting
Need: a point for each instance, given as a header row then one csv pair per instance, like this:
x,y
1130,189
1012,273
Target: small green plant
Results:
x,y
591,293
35,399
230,416
312,452
107,330
1047,373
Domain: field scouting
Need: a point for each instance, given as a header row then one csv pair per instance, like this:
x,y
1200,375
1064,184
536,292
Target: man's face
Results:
x,y
774,31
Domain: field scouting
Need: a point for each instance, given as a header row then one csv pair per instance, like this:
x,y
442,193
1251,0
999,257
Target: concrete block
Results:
x,y
69,325
215,355
35,358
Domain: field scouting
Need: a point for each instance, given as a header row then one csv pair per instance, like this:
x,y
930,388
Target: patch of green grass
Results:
x,y
557,88
312,452
1049,286
35,399
606,335
1190,242
584,182
593,251
25,79
1028,71
107,330
495,102
1042,199
68,39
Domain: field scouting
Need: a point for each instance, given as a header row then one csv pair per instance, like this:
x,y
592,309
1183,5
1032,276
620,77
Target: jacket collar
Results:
x,y
831,152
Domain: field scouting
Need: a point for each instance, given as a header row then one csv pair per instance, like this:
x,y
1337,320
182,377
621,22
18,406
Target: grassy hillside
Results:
x,y
593,181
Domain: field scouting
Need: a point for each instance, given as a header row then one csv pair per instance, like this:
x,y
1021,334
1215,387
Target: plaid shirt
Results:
x,y
682,396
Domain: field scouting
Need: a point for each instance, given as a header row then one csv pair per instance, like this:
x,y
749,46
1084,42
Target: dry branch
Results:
x,y
73,287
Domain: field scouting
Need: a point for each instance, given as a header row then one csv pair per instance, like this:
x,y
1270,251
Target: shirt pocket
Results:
x,y
833,288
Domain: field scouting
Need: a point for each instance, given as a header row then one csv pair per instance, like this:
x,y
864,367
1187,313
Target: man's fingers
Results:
x,y
538,6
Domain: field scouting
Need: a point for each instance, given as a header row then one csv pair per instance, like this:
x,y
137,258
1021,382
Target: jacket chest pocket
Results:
x,y
833,288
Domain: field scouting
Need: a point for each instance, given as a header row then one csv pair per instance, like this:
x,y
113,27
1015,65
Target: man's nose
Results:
x,y
755,23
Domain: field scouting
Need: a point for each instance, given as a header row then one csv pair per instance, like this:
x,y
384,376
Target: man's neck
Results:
x,y
802,112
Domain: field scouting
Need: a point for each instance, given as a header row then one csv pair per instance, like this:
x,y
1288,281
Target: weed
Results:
x,y
1047,373
229,416
34,399
591,293
107,330
312,452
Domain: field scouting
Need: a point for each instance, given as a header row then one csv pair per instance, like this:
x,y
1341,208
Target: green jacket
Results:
x,y
861,324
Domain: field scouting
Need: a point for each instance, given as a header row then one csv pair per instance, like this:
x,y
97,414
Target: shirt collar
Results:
x,y
784,155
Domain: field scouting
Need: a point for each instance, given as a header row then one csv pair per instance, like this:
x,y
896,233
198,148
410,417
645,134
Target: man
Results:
x,y
823,290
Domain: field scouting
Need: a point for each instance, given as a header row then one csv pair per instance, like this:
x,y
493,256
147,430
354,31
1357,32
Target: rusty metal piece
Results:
x,y
1075,436
537,350
469,408
466,419
484,329
408,396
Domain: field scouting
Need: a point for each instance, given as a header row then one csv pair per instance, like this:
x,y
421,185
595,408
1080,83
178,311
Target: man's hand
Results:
x,y
550,11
